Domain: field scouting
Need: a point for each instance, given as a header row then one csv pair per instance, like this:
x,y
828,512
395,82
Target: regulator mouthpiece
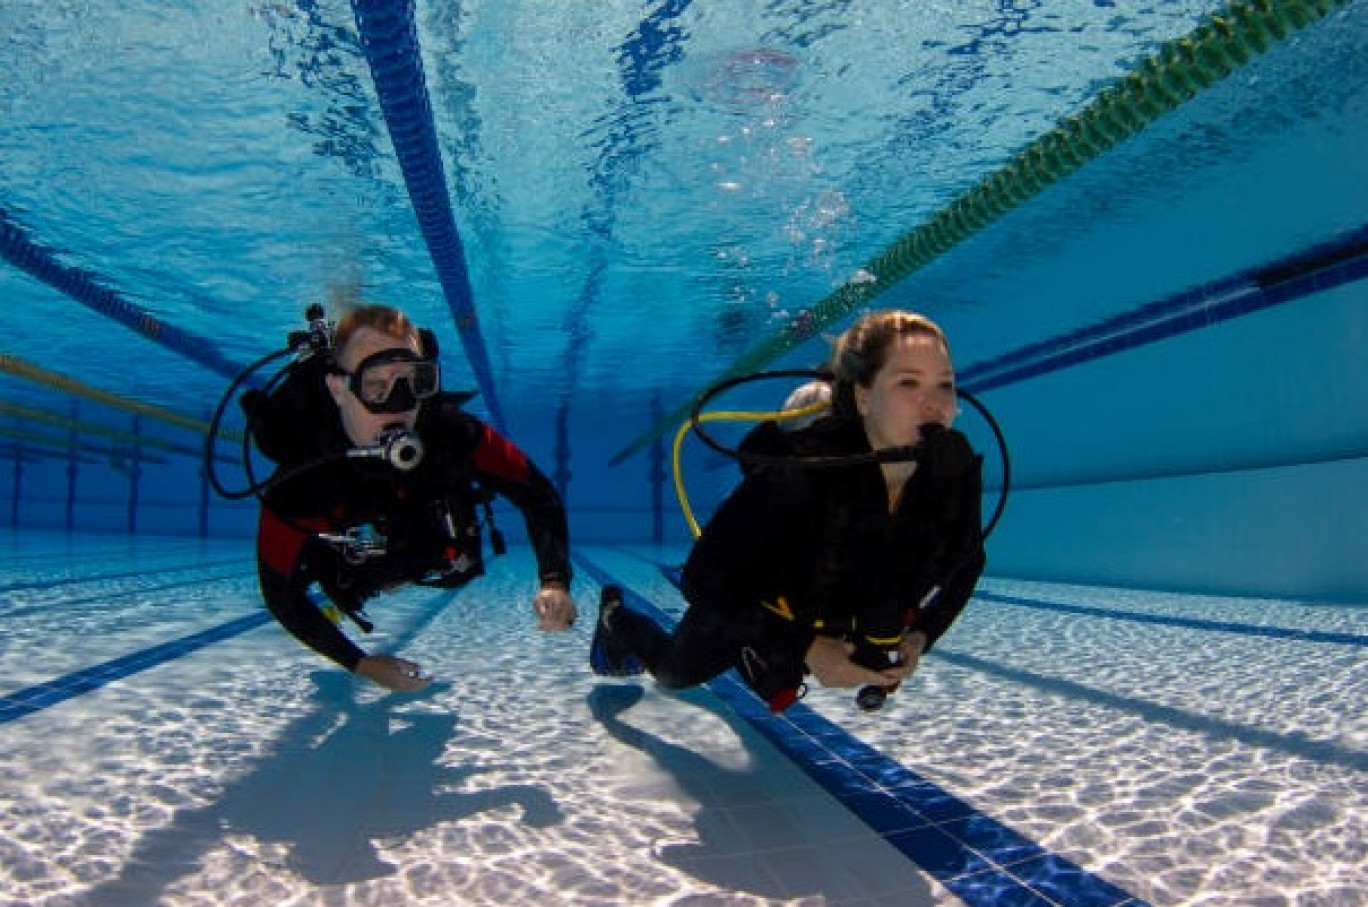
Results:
x,y
399,447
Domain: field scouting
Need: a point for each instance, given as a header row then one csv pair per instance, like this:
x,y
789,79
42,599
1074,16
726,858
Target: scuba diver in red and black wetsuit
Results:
x,y
849,547
382,481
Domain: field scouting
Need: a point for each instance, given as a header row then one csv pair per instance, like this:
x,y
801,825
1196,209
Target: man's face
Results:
x,y
364,427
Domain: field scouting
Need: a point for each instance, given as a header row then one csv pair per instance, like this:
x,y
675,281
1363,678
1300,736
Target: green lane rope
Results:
x,y
30,414
1180,70
44,444
13,365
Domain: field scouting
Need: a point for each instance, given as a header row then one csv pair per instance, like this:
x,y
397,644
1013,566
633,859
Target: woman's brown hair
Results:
x,y
863,349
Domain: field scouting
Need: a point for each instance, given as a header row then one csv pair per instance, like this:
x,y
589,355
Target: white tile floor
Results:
x,y
1131,749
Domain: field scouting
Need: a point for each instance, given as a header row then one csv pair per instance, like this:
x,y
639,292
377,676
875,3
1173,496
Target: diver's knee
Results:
x,y
673,680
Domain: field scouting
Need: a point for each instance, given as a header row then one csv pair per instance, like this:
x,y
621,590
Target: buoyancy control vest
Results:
x,y
436,539
888,566
294,422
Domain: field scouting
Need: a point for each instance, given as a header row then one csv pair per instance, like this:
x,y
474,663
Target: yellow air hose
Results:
x,y
811,409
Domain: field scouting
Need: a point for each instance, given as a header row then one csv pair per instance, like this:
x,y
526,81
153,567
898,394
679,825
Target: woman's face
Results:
x,y
364,427
915,386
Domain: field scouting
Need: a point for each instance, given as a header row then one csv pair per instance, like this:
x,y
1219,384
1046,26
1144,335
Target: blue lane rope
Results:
x,y
389,39
89,290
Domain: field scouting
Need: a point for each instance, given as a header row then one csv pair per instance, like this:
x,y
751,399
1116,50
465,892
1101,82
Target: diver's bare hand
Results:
x,y
397,674
555,609
828,658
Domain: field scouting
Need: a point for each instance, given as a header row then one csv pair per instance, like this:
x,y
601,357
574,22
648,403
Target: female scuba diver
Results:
x,y
380,479
848,549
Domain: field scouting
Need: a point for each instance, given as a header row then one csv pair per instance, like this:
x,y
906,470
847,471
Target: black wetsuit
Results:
x,y
795,551
427,516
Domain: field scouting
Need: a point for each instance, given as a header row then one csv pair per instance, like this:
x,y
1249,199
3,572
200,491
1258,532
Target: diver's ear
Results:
x,y
861,400
337,386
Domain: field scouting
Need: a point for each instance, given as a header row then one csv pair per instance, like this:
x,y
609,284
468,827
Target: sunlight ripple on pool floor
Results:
x,y
1185,749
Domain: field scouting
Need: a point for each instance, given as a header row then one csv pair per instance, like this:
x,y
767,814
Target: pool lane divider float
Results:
x,y
20,368
389,40
139,443
89,289
980,860
1180,70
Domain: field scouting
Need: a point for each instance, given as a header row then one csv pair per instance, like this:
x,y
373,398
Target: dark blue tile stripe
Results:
x,y
1294,742
1192,623
1314,271
982,861
9,610
35,698
53,582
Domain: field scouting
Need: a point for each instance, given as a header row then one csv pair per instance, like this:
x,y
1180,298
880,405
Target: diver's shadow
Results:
x,y
345,777
735,816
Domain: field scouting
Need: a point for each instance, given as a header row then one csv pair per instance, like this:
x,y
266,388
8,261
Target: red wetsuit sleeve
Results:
x,y
284,578
496,456
505,469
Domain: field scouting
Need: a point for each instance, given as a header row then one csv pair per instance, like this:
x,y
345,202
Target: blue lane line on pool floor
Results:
x,y
1188,623
50,582
980,860
41,696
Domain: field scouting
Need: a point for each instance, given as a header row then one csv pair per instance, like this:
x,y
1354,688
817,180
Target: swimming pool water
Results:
x,y
1157,694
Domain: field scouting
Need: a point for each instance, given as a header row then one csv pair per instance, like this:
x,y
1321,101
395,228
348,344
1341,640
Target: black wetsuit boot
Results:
x,y
609,655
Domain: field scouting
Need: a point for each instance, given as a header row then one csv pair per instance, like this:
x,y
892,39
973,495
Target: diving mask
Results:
x,y
393,381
